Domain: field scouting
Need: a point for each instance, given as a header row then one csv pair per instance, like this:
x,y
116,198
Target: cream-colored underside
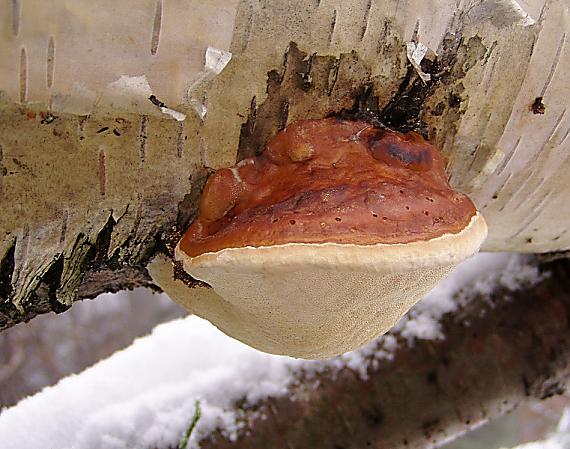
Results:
x,y
316,301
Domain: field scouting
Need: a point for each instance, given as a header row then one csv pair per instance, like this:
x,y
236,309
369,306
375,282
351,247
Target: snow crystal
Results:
x,y
145,395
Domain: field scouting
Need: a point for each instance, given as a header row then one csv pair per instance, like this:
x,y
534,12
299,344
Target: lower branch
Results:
x,y
497,352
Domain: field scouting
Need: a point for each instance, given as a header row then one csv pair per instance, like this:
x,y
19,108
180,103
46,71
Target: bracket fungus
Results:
x,y
323,241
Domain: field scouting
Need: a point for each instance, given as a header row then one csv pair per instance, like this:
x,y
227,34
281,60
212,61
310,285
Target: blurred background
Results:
x,y
37,354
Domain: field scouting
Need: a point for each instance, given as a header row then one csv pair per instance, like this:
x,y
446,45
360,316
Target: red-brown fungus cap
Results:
x,y
332,181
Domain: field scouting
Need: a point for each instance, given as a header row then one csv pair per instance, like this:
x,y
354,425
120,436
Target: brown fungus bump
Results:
x,y
322,242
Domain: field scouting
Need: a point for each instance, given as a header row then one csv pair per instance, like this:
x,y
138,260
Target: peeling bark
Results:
x,y
94,180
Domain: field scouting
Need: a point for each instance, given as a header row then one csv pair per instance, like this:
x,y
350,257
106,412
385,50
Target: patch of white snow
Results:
x,y
560,439
144,396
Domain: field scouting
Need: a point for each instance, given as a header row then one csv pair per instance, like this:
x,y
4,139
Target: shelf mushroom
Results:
x,y
323,241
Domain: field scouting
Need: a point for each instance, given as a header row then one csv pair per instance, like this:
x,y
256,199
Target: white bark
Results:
x,y
98,184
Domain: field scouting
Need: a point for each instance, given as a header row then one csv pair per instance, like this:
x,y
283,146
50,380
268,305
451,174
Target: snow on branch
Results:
x,y
146,395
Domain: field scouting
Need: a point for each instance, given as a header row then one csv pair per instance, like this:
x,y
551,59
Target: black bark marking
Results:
x,y
50,62
538,106
3,172
16,11
23,75
143,137
366,20
180,139
332,27
156,27
101,172
64,222
7,265
555,63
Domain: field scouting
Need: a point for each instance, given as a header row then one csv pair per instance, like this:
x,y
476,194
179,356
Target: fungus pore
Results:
x,y
323,241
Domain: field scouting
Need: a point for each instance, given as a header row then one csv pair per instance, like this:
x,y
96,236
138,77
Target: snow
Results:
x,y
560,439
145,395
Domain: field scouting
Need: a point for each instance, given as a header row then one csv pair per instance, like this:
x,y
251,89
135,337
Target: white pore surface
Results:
x,y
144,396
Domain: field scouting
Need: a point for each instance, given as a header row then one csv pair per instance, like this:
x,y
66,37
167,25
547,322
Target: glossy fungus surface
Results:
x,y
330,181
